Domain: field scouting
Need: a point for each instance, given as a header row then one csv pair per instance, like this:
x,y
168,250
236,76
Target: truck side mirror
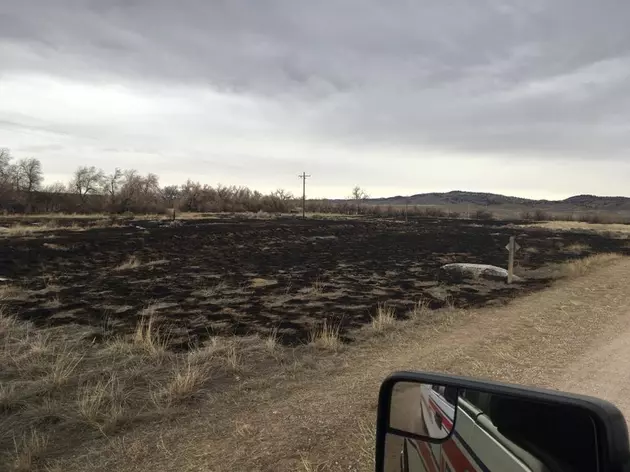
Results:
x,y
436,422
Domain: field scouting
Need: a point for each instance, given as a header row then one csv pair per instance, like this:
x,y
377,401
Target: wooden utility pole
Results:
x,y
512,247
304,176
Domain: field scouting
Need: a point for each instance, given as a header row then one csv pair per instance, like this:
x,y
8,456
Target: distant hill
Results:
x,y
456,197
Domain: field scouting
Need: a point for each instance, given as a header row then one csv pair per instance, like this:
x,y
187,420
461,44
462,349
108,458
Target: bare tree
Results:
x,y
170,195
283,195
5,160
139,193
5,169
29,174
359,195
6,177
57,187
111,184
86,181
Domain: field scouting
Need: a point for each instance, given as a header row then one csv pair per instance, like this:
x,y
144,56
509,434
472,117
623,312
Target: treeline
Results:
x,y
393,211
127,191
123,191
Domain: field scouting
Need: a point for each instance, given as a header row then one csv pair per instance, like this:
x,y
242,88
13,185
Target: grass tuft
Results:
x,y
385,318
325,336
29,451
577,248
317,288
232,357
213,290
271,341
63,367
420,310
101,404
132,262
186,382
579,267
147,336
11,292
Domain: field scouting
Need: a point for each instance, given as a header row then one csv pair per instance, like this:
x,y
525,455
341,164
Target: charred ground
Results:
x,y
209,277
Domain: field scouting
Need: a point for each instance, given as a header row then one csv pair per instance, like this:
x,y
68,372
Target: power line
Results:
x,y
304,176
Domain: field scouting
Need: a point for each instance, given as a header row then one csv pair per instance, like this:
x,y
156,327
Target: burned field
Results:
x,y
224,277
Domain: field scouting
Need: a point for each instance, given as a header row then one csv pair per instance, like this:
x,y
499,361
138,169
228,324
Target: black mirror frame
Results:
x,y
610,424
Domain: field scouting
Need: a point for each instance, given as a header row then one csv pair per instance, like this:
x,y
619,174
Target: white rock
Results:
x,y
459,271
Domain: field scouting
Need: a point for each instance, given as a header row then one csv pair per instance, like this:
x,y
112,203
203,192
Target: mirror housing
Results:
x,y
608,423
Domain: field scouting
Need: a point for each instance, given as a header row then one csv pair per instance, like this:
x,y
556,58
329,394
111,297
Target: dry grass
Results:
x,y
53,303
56,216
232,357
317,288
49,223
186,382
213,290
22,230
420,310
271,341
63,366
259,282
578,225
58,390
56,247
325,336
132,262
101,404
29,451
579,267
577,248
263,404
385,318
148,336
11,292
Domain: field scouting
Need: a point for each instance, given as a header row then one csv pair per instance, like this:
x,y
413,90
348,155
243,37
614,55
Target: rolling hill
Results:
x,y
578,202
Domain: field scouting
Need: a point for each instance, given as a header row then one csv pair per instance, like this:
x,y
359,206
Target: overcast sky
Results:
x,y
524,97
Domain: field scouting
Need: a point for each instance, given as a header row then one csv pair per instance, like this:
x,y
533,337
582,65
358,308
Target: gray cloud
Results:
x,y
540,79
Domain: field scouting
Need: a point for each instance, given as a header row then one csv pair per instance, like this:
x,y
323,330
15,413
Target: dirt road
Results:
x,y
574,336
604,370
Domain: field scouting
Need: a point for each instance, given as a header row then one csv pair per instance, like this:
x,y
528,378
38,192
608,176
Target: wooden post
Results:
x,y
304,195
511,250
303,176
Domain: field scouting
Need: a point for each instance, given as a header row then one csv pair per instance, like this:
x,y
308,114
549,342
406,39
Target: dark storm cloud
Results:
x,y
523,77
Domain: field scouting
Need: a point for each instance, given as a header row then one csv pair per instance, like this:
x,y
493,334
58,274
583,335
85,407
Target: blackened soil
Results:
x,y
243,277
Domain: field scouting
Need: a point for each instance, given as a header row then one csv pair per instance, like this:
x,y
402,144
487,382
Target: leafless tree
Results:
x,y
171,194
57,187
283,195
139,193
111,184
29,175
5,160
359,195
86,181
6,176
5,167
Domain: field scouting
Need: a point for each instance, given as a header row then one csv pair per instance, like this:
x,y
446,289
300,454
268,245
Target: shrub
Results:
x,y
483,215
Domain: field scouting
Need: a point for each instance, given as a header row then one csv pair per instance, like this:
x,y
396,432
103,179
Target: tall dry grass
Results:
x,y
132,262
384,318
59,390
579,267
326,336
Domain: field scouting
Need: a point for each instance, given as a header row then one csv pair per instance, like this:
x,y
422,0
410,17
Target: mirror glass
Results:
x,y
440,428
423,409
